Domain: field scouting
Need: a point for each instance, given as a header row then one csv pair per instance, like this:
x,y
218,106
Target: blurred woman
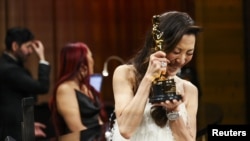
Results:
x,y
75,104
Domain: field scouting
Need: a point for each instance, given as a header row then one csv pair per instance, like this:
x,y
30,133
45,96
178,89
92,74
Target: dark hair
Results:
x,y
19,35
174,25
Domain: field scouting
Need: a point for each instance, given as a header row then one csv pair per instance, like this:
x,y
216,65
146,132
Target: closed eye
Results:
x,y
191,52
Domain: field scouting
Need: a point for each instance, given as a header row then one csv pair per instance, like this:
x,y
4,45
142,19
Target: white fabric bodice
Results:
x,y
148,130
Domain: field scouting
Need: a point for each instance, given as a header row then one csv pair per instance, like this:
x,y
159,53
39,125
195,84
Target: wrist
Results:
x,y
44,62
149,78
41,56
173,115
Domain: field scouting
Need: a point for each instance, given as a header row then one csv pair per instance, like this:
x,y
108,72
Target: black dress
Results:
x,y
89,112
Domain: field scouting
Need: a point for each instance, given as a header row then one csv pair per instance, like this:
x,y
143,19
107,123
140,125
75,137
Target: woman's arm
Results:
x,y
182,131
68,107
129,107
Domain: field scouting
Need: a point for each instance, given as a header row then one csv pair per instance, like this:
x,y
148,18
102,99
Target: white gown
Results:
x,y
148,130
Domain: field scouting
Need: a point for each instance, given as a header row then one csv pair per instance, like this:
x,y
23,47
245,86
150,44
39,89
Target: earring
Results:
x,y
83,74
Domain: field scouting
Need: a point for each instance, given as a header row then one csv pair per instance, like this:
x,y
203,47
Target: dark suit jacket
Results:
x,y
15,84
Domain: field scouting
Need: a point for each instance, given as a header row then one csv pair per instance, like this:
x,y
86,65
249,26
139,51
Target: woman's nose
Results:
x,y
181,59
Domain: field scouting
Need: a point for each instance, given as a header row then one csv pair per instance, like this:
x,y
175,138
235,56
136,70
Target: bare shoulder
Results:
x,y
125,70
64,89
124,79
188,86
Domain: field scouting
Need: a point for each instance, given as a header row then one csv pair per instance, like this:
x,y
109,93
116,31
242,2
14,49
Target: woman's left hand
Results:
x,y
170,105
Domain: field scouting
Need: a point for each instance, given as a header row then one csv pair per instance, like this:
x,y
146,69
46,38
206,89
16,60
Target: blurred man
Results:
x,y
16,81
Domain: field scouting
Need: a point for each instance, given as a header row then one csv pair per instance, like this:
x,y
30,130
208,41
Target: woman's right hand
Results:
x,y
157,65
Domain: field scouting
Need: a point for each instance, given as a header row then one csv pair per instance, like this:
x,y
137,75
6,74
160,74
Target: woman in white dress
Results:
x,y
138,119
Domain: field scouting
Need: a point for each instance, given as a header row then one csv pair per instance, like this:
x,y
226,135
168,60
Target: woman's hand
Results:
x,y
172,105
157,65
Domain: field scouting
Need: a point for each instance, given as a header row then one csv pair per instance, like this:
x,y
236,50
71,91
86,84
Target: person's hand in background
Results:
x,y
39,129
39,49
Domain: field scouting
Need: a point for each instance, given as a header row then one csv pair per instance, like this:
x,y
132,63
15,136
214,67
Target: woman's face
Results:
x,y
90,61
181,55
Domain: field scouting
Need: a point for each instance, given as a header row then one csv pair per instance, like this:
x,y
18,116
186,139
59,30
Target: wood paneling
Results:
x,y
2,23
246,15
220,58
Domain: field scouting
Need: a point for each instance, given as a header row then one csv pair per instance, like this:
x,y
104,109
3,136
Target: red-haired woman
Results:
x,y
75,104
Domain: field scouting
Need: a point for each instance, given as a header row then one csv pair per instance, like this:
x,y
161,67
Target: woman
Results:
x,y
75,104
136,118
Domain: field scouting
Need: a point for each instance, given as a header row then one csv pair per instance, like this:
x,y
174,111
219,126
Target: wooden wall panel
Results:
x,y
246,15
14,13
221,57
2,23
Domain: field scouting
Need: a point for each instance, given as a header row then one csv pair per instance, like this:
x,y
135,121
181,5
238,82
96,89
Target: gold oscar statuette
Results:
x,y
162,88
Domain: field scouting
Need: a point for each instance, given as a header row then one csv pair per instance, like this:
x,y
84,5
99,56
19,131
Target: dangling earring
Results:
x,y
83,74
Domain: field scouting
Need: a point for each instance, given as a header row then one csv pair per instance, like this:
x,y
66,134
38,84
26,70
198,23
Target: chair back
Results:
x,y
9,138
28,132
